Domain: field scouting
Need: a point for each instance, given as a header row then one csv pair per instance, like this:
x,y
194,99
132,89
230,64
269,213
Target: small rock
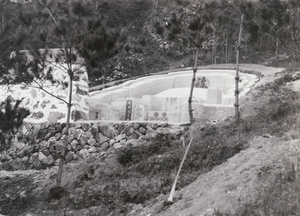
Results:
x,y
23,194
92,149
267,136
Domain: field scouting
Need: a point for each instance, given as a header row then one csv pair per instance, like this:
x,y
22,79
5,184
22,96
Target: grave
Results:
x,y
164,98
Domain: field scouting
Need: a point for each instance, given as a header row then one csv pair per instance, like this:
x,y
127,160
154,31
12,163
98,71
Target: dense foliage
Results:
x,y
11,117
121,39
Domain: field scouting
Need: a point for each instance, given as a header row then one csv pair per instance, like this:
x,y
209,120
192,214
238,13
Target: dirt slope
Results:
x,y
223,189
236,180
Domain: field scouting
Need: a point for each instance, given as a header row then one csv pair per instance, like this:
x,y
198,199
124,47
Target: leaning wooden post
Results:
x,y
192,88
237,76
170,199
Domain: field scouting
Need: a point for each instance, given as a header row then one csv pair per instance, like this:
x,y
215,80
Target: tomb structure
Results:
x,y
164,98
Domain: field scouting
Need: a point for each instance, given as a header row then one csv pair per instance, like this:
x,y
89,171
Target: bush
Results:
x,y
11,118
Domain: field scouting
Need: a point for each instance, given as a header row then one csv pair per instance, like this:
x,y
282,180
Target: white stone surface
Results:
x,y
170,92
44,107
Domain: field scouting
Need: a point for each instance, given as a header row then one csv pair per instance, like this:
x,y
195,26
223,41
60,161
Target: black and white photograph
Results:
x,y
149,107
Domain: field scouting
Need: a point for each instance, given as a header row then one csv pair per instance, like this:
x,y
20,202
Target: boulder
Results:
x,y
78,133
19,145
142,130
74,143
130,131
59,146
85,126
15,164
83,153
120,137
92,149
107,130
46,160
134,136
95,132
78,147
42,157
68,147
83,140
33,157
132,143
102,139
52,140
91,141
118,145
58,136
46,152
136,125
69,157
44,143
105,146
37,165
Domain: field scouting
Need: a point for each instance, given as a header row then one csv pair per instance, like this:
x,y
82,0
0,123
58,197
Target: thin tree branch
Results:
x,y
49,93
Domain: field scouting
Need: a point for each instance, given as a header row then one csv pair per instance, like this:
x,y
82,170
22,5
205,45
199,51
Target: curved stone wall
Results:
x,y
168,93
38,146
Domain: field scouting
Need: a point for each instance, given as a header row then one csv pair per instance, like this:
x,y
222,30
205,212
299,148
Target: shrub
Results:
x,y
11,118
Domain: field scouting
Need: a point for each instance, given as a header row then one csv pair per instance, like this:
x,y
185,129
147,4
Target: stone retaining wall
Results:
x,y
37,146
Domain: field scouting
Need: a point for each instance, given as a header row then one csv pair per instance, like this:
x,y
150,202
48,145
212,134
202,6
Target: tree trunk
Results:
x,y
226,49
237,77
277,46
192,88
65,142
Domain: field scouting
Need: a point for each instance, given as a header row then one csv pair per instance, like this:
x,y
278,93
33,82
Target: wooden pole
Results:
x,y
170,199
192,88
237,76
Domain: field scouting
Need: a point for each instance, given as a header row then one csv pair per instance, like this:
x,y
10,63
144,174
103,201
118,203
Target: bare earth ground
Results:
x,y
237,180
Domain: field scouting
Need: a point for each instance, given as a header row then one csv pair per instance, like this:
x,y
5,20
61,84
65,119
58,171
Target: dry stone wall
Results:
x,y
38,146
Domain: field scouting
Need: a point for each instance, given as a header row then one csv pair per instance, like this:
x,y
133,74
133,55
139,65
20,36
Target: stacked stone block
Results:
x,y
38,146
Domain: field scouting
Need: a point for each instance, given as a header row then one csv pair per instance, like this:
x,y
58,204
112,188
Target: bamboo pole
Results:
x,y
192,88
170,199
237,76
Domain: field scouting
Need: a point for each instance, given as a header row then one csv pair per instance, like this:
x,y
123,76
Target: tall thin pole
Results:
x,y
192,88
237,76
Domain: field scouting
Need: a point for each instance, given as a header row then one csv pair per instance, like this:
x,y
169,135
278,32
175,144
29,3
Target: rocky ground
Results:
x,y
258,178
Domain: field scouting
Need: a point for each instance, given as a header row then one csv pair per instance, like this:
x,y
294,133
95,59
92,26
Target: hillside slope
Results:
x,y
261,179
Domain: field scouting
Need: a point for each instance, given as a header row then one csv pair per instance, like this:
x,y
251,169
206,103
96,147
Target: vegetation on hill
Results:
x,y
146,33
